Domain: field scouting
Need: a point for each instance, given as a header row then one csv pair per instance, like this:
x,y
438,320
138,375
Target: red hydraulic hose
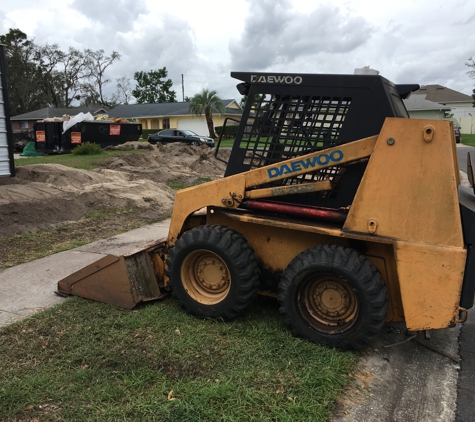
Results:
x,y
328,214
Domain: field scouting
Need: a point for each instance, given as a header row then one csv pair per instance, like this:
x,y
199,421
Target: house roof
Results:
x,y
441,94
50,112
419,102
130,111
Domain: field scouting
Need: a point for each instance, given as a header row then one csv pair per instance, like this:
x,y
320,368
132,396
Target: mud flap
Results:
x,y
123,281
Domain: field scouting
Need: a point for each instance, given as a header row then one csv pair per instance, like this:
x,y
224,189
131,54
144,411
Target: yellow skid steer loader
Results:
x,y
333,201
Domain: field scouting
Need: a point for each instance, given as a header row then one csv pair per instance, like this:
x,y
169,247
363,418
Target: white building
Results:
x,y
461,105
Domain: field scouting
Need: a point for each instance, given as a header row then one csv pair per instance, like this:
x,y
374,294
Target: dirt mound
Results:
x,y
35,206
42,195
128,146
173,162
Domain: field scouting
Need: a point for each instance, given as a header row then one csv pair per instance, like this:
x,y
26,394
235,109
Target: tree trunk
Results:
x,y
209,122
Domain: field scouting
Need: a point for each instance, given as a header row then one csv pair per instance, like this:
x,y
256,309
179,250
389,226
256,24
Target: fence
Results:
x,y
467,124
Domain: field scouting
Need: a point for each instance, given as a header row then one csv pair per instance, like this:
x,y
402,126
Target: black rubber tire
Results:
x,y
320,279
192,253
194,143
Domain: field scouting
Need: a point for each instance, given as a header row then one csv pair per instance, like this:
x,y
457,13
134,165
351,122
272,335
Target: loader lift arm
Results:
x,y
231,191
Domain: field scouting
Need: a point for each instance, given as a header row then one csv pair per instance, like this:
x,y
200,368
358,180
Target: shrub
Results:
x,y
230,131
146,132
87,148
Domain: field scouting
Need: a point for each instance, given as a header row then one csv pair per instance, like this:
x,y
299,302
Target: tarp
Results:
x,y
81,117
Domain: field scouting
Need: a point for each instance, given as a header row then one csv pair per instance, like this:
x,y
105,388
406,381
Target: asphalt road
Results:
x,y
402,380
466,382
462,156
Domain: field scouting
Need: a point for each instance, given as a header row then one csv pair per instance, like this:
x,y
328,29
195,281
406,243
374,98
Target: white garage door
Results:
x,y
4,153
196,125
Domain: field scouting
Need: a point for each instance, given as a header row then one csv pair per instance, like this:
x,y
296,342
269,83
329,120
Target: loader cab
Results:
x,y
288,115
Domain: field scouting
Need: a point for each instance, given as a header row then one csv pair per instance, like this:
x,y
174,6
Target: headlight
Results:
x,y
203,140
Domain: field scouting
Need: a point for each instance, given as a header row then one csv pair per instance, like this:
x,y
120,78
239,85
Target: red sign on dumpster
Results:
x,y
40,136
75,137
114,130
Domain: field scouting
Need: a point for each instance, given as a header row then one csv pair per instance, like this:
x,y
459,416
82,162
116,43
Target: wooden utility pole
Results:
x,y
183,87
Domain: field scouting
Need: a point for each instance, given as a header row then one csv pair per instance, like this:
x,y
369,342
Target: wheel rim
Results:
x,y
328,303
205,276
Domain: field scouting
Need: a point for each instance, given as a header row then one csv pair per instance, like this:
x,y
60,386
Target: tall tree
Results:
x,y
257,99
23,72
471,73
123,94
207,102
97,62
74,70
89,95
152,88
41,76
50,57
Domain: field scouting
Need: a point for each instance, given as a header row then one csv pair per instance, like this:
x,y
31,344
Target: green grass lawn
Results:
x,y
98,224
468,140
86,361
226,143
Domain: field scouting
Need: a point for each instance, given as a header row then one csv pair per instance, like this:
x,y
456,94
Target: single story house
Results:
x,y
173,115
419,107
460,104
25,121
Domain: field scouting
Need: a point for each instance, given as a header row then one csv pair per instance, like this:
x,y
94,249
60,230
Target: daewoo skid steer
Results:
x,y
333,201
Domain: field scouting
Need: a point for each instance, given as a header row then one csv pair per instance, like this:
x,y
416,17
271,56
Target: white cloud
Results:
x,y
276,35
118,15
423,41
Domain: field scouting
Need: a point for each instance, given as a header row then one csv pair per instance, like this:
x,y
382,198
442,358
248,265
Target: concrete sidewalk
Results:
x,y
28,288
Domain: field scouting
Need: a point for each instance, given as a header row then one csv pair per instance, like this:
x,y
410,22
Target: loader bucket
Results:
x,y
123,281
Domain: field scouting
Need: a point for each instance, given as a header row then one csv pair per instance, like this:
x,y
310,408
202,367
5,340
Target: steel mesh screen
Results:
x,y
283,127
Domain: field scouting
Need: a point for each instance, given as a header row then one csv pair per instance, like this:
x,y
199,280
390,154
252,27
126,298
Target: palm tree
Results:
x,y
209,103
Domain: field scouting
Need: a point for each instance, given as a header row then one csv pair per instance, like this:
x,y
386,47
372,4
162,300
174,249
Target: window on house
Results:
x,y
166,124
23,125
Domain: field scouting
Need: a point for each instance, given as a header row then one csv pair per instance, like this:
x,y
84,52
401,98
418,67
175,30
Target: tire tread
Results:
x,y
351,262
234,246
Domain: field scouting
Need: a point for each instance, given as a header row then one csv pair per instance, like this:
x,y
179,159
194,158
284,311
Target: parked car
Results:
x,y
174,135
458,135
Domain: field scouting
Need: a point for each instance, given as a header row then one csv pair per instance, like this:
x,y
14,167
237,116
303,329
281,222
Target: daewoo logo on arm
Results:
x,y
277,79
299,165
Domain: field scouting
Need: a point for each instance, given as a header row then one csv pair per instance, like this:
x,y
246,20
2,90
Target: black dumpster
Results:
x,y
49,136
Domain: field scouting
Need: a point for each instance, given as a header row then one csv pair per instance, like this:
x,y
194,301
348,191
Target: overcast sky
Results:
x,y
408,41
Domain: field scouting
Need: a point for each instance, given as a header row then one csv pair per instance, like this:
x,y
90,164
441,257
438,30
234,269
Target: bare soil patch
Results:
x,y
131,190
